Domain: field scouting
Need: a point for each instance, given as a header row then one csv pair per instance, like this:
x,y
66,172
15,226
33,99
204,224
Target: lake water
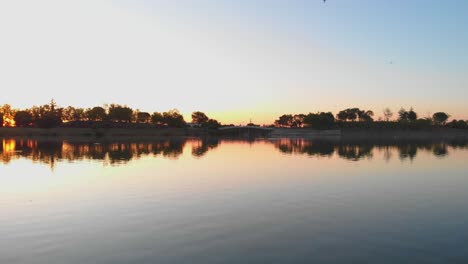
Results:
x,y
215,201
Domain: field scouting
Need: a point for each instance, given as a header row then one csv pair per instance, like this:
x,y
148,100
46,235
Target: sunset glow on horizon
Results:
x,y
237,60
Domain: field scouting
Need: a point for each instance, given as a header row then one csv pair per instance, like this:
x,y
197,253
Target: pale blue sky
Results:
x,y
237,60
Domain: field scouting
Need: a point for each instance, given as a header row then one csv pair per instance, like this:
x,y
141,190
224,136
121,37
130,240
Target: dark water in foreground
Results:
x,y
211,201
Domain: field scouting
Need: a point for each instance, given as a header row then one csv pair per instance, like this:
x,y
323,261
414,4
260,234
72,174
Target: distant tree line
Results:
x,y
357,118
50,115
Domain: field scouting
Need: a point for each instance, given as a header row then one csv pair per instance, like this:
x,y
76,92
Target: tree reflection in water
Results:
x,y
356,151
50,151
201,147
114,153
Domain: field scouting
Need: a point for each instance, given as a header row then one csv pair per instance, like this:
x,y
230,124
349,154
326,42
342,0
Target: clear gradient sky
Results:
x,y
237,60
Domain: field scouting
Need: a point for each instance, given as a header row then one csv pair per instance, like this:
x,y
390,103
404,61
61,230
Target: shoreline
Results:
x,y
274,133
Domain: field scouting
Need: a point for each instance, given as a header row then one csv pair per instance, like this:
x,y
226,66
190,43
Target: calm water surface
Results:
x,y
212,201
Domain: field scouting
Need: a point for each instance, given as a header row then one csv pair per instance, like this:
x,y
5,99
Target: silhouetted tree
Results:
x,y
402,115
365,116
120,113
199,117
412,116
157,118
352,114
143,117
342,115
320,120
440,118
204,121
1,119
387,114
23,118
96,114
407,116
173,118
284,121
47,116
